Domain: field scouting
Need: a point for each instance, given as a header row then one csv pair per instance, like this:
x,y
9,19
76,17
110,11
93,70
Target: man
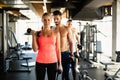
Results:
x,y
76,41
65,39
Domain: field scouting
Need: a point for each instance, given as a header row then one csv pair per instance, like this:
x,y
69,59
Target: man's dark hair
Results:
x,y
57,12
69,20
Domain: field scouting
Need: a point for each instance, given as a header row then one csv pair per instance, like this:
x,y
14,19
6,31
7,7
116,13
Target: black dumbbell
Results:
x,y
84,74
29,31
79,46
59,71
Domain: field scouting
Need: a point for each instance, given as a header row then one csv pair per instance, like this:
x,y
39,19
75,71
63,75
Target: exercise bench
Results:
x,y
26,58
106,63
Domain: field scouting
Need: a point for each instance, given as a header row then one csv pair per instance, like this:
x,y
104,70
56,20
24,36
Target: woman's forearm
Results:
x,y
34,43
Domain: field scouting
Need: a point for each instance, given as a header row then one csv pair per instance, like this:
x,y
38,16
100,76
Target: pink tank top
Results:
x,y
46,49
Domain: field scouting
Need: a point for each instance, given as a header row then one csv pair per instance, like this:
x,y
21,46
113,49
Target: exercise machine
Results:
x,y
15,52
112,77
14,48
108,75
89,42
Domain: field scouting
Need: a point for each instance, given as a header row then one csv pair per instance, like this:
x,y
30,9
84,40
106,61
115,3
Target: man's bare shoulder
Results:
x,y
67,28
74,30
63,28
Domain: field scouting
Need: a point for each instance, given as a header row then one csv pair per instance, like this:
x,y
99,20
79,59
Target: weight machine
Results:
x,y
15,52
89,42
14,48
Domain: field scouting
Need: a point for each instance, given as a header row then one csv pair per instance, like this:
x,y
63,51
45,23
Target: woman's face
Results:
x,y
46,21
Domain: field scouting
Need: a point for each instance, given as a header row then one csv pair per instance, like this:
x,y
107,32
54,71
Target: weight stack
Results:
x,y
118,56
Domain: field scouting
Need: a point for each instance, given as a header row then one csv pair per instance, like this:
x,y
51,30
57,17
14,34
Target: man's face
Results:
x,y
69,24
57,19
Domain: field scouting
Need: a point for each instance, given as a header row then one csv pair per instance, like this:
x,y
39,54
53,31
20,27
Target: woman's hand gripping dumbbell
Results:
x,y
30,31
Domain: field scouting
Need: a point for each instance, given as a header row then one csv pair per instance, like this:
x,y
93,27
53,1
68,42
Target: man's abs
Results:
x,y
64,45
64,40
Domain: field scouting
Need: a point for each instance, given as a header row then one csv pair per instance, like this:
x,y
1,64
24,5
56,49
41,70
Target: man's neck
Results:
x,y
60,25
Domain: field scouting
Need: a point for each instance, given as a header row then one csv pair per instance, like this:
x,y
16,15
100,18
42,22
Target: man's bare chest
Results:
x,y
63,32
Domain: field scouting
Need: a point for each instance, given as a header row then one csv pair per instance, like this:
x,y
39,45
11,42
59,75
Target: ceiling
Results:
x,y
75,9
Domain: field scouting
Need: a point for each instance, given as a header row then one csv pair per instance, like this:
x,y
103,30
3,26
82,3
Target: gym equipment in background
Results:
x,y
14,54
89,42
83,75
27,46
14,48
112,77
110,74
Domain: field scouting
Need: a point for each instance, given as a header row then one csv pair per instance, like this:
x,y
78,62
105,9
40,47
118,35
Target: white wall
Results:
x,y
103,26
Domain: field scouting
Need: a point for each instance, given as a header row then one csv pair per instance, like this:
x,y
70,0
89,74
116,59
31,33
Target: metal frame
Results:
x,y
90,42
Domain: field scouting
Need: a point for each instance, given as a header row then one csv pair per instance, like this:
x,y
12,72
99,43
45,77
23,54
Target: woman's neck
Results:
x,y
46,29
47,32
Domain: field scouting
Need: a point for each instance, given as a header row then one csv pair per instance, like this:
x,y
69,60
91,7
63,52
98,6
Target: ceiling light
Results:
x,y
45,7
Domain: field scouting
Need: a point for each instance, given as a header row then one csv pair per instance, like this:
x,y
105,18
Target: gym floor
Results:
x,y
93,72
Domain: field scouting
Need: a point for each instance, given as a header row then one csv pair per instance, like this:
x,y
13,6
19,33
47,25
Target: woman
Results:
x,y
48,47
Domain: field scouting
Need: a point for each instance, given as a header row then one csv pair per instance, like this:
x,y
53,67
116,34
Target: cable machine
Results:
x,y
89,42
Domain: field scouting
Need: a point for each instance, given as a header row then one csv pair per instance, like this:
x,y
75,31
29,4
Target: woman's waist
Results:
x,y
46,57
47,53
46,61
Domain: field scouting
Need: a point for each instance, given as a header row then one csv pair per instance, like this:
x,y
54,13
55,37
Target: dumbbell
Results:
x,y
84,74
29,32
58,72
79,46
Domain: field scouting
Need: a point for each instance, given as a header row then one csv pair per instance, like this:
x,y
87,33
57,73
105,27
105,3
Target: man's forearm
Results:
x,y
71,49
